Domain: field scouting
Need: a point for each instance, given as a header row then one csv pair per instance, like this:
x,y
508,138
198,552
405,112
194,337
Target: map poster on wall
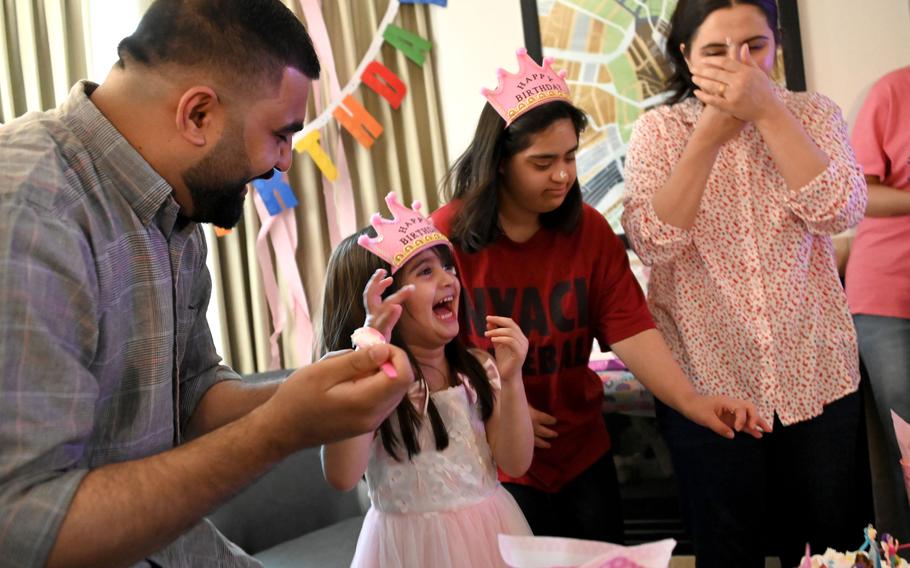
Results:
x,y
613,52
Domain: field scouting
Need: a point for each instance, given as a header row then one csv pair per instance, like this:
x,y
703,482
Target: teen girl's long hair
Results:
x,y
349,269
476,177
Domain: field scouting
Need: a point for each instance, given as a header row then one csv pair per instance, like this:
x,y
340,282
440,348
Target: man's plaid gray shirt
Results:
x,y
104,346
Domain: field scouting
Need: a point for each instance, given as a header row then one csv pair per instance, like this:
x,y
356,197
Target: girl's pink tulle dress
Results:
x,y
441,509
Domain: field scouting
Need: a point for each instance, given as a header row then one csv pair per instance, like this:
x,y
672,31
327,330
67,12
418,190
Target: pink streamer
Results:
x,y
342,215
281,229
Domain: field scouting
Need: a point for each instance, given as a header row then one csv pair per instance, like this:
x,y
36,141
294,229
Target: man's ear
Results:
x,y
197,114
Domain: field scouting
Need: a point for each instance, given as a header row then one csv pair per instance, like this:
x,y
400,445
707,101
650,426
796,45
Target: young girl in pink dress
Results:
x,y
431,468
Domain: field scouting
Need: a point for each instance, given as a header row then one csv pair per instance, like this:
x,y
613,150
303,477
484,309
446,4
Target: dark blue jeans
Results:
x,y
744,498
884,344
587,507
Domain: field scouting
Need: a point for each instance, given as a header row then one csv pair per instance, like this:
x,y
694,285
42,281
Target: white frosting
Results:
x,y
366,336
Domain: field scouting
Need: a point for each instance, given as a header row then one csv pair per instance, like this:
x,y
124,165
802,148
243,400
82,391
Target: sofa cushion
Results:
x,y
290,500
329,547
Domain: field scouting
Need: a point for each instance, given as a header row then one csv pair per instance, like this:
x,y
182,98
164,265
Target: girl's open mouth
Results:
x,y
443,309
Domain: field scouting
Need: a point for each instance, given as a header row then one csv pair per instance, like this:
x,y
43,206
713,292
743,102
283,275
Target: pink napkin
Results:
x,y
552,552
902,431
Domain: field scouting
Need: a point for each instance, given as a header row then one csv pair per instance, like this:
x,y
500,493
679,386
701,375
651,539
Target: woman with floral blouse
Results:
x,y
733,189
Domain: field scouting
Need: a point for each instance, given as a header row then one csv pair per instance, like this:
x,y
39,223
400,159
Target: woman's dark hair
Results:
x,y
686,20
476,180
349,269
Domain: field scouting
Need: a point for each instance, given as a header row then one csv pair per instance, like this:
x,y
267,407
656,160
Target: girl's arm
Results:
x,y
646,354
826,188
678,201
344,462
509,430
665,186
886,201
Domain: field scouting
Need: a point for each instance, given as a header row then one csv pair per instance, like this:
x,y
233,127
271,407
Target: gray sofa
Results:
x,y
291,517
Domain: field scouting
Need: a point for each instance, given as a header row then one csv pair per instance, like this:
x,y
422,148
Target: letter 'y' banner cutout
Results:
x,y
340,110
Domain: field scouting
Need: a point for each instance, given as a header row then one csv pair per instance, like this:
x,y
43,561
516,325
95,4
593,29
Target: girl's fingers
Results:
x,y
717,63
712,73
540,417
506,342
731,50
372,292
710,99
499,332
542,431
371,283
745,54
400,296
387,318
739,419
710,85
714,422
501,321
760,423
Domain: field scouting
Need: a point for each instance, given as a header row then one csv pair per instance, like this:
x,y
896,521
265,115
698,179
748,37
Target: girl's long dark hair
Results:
x,y
687,18
349,269
476,180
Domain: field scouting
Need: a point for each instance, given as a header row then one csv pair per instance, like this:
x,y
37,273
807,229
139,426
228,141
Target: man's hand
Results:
x,y
336,398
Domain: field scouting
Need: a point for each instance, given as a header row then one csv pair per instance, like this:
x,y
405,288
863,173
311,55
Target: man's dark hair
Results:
x,y
247,39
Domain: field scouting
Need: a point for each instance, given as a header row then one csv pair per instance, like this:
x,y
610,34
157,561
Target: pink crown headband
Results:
x,y
404,235
532,86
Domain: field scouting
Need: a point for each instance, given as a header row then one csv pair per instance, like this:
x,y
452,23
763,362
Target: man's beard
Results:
x,y
217,181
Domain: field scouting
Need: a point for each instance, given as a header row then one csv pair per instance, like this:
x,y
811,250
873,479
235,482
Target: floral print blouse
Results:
x,y
749,297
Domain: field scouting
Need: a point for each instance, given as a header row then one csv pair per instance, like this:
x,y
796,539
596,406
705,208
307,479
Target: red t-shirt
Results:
x,y
564,291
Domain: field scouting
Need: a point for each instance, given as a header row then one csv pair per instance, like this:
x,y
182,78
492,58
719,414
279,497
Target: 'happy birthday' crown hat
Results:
x,y
532,86
403,236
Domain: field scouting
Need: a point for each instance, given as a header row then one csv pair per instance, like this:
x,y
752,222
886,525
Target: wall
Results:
x,y
472,38
848,44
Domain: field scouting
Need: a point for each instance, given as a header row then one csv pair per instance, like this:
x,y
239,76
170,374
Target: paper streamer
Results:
x,y
339,194
325,116
281,229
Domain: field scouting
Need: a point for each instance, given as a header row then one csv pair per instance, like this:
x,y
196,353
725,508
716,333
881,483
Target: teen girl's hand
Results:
x,y
717,126
382,315
735,84
725,415
510,346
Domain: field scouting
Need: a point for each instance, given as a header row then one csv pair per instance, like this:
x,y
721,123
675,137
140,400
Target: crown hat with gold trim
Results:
x,y
532,86
407,233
